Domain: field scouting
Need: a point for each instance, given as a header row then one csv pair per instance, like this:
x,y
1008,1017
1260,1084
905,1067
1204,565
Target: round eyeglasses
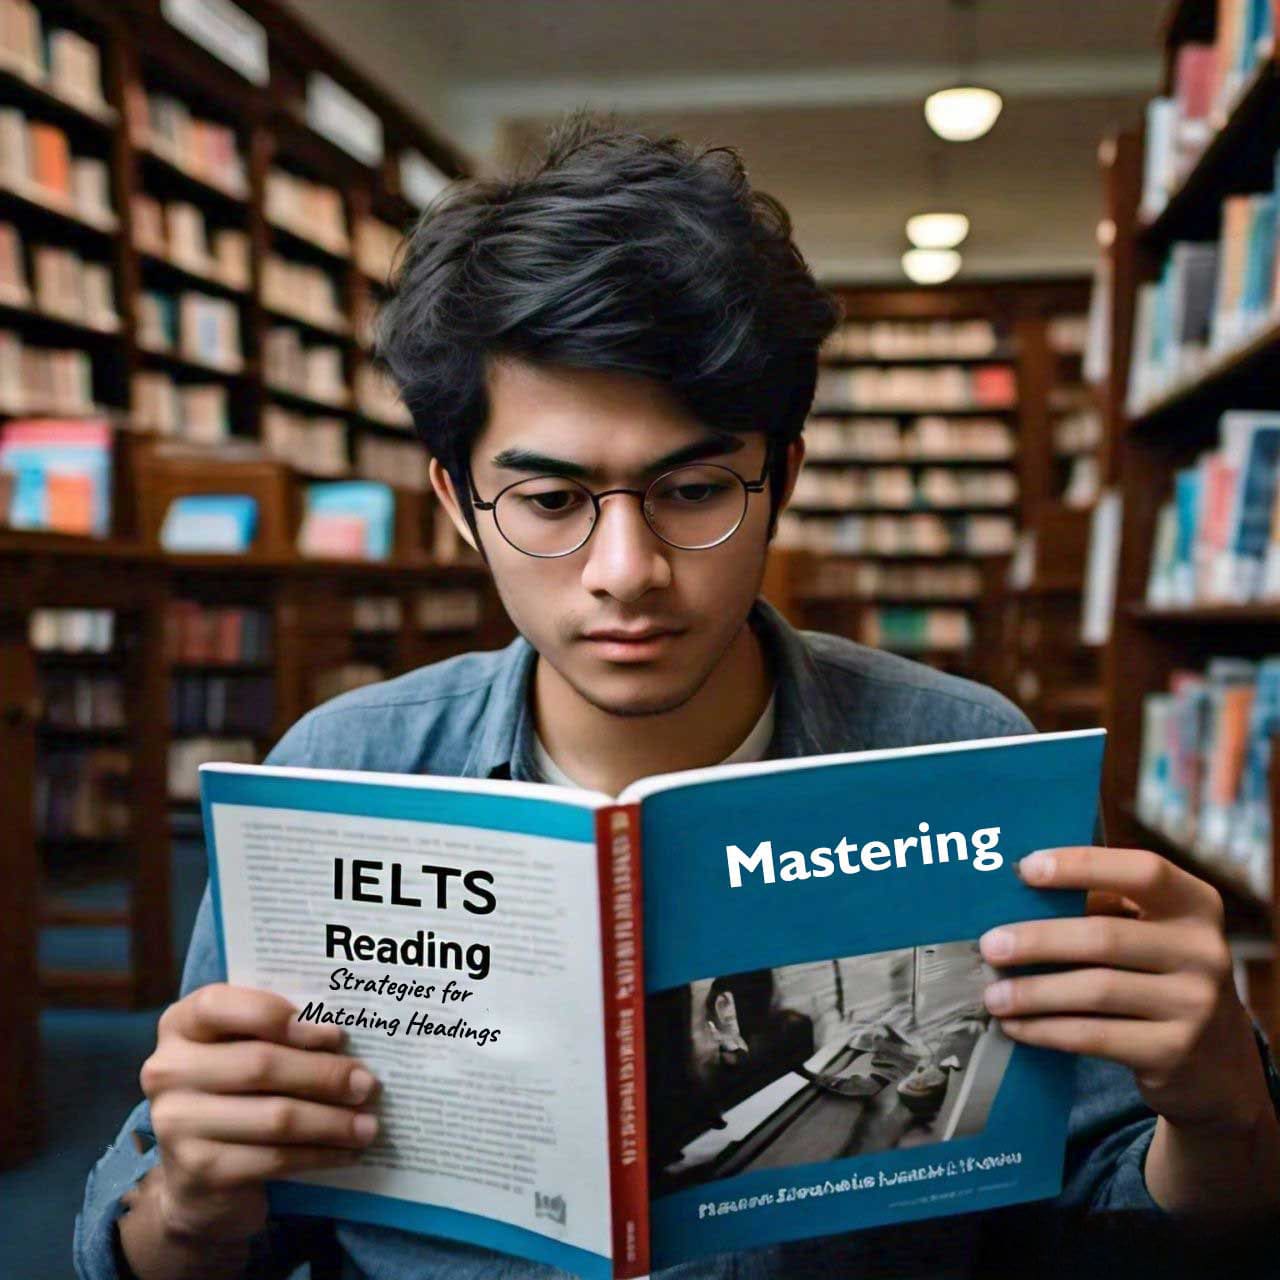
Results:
x,y
691,508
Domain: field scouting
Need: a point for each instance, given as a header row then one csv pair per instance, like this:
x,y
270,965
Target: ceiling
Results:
x,y
823,99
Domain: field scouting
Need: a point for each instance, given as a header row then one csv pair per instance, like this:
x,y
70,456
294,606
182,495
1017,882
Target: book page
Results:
x,y
470,984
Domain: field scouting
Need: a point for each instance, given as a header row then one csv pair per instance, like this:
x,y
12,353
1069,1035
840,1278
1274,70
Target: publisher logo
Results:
x,y
545,1206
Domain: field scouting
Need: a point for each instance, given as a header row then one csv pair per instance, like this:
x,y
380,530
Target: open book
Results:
x,y
733,1006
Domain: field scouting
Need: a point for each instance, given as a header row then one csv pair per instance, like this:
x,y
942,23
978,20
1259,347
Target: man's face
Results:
x,y
582,611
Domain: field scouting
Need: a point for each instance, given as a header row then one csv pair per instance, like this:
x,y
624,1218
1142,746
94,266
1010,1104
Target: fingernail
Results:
x,y
365,1126
1037,867
359,1085
997,945
998,997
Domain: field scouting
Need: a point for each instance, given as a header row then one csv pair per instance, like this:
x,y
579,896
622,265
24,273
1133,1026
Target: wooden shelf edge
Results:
x,y
1214,381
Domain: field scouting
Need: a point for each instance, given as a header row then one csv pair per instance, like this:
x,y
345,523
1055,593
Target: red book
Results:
x,y
1195,80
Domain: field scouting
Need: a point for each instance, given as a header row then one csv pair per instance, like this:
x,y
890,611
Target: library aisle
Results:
x,y
1042,454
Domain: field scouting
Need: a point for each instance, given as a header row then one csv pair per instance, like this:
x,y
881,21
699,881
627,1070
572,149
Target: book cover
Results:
x,y
210,522
733,1006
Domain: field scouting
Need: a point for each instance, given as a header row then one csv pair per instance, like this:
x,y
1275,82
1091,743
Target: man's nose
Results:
x,y
625,558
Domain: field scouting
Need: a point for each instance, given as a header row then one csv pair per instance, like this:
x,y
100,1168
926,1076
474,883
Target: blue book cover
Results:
x,y
369,500
730,1007
224,523
1186,495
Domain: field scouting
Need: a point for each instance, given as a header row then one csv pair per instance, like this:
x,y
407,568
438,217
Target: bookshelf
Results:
x,y
143,218
1173,185
930,443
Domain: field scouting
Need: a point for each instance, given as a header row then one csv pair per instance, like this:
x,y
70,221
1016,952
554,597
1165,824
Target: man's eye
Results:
x,y
554,501
693,494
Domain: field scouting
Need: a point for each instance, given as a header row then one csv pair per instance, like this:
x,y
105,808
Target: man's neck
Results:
x,y
606,752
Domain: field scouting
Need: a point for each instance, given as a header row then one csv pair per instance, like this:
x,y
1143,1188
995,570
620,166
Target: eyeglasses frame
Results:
x,y
750,487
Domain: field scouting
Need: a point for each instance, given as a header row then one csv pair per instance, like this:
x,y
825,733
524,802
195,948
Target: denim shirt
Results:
x,y
469,716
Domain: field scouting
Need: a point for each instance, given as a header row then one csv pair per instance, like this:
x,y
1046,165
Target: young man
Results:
x,y
611,360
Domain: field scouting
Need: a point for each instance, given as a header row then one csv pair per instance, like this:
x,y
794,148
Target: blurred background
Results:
x,y
1043,453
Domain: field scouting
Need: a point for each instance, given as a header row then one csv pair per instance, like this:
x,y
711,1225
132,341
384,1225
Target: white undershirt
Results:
x,y
752,747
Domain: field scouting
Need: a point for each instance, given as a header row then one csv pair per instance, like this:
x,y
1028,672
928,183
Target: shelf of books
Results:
x,y
213,511
929,442
1193,666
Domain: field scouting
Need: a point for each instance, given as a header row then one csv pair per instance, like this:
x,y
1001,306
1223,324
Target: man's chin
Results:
x,y
634,695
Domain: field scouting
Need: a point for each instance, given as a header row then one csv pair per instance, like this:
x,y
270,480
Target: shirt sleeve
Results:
x,y
133,1153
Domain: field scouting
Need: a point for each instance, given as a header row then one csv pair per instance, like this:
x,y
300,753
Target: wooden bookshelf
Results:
x,y
1147,446
127,573
1019,313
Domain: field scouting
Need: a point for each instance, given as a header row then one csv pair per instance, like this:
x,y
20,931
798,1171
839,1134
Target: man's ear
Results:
x,y
442,483
795,456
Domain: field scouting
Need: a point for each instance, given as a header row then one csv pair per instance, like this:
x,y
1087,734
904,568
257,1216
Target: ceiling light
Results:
x,y
930,266
937,230
962,113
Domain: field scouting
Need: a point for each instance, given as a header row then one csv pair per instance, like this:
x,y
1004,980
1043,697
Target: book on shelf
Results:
x,y
54,631
1101,566
82,793
776,1028
352,519
36,161
930,387
375,249
192,325
81,700
313,371
1216,537
186,755
14,290
402,463
898,487
302,291
376,615
207,150
72,289
452,610
210,523
915,629
310,210
314,445
1205,756
852,580
918,533
929,437
1208,82
1211,299
193,411
912,339
221,704
199,634
44,379
63,61
62,474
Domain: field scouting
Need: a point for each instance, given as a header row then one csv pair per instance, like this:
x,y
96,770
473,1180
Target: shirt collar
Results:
x,y
804,720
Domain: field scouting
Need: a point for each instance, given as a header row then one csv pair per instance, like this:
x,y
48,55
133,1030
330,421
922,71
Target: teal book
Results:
x,y
213,523
729,1007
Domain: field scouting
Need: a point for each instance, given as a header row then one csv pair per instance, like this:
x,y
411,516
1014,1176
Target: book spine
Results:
x,y
618,852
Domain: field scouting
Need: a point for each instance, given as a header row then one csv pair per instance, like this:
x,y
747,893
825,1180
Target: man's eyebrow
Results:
x,y
543,464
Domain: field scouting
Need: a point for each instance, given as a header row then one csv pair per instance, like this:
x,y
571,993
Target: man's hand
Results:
x,y
241,1092
1150,986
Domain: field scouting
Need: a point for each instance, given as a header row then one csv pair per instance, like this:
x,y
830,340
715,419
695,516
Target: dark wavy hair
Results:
x,y
616,251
